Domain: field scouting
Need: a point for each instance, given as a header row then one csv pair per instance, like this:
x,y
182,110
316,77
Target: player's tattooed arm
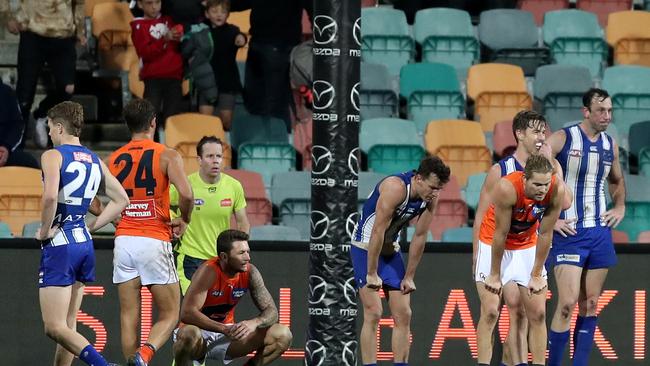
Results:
x,y
262,299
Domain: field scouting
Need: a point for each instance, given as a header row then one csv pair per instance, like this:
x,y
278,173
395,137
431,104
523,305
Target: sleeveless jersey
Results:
x,y
509,165
586,166
137,166
81,175
525,218
406,211
224,293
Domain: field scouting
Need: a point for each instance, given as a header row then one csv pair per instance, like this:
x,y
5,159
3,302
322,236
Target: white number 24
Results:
x,y
73,186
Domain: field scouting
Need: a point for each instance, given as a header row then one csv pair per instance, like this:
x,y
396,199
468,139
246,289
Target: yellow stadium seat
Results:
x,y
461,145
89,5
242,20
499,92
629,35
111,26
20,197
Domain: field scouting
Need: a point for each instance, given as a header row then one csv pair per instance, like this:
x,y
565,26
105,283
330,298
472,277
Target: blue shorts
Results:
x,y
63,265
590,248
390,269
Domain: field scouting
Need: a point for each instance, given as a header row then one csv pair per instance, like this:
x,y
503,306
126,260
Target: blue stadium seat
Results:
x,y
377,96
385,38
392,145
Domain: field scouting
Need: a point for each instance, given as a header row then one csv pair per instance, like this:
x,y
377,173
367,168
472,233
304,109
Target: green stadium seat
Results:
x,y
644,162
290,186
432,92
457,235
473,189
385,38
5,231
637,206
559,89
30,229
267,158
297,214
392,145
410,232
639,139
446,36
250,128
275,233
510,36
377,96
367,182
575,38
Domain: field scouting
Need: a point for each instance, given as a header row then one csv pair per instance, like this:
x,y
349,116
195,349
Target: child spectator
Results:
x,y
211,50
156,40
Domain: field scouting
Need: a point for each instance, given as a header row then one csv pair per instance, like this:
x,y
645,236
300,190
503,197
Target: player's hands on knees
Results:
x,y
242,330
178,227
564,228
614,216
493,284
407,286
536,285
373,281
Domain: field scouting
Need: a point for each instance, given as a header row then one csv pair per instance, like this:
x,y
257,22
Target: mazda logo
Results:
x,y
356,31
315,353
325,29
324,94
317,289
354,97
353,161
351,223
320,224
321,158
349,292
349,353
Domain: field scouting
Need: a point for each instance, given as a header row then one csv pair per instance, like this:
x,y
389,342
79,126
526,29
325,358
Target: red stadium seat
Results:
x,y
539,7
602,8
258,205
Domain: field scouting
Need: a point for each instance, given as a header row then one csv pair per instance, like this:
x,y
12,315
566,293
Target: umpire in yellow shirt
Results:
x,y
217,196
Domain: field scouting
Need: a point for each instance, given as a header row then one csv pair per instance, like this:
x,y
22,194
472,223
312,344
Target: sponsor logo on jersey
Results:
x,y
238,292
216,293
575,152
140,209
575,258
82,156
227,202
198,202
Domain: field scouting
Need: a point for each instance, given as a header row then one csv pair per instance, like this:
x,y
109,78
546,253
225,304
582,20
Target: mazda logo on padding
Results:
x,y
324,94
353,161
317,289
325,29
320,224
349,292
349,354
356,31
315,353
351,223
354,97
321,158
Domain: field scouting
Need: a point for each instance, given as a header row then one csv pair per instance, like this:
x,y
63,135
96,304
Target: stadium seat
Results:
x,y
447,36
540,7
644,237
242,20
602,8
410,231
620,237
258,205
5,231
432,92
377,96
275,233
457,235
503,140
111,27
297,214
30,229
451,210
290,186
559,90
385,38
461,145
629,35
392,145
510,36
367,182
629,87
644,162
638,140
20,197
473,189
498,91
637,206
575,38
183,131
267,158
248,128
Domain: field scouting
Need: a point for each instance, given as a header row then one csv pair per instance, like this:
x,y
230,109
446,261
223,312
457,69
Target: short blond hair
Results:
x,y
70,115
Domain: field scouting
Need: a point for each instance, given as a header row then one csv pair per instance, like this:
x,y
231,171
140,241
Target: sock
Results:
x,y
147,351
556,343
91,357
584,341
579,321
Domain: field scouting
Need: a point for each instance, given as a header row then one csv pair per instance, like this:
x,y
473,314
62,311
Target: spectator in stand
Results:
x,y
11,131
156,40
48,33
276,27
211,51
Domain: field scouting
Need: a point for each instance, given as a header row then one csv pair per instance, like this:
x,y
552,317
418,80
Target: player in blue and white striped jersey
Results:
x,y
376,257
582,249
71,177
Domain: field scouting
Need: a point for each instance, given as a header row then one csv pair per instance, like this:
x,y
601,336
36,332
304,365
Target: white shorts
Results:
x,y
150,259
516,265
217,345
